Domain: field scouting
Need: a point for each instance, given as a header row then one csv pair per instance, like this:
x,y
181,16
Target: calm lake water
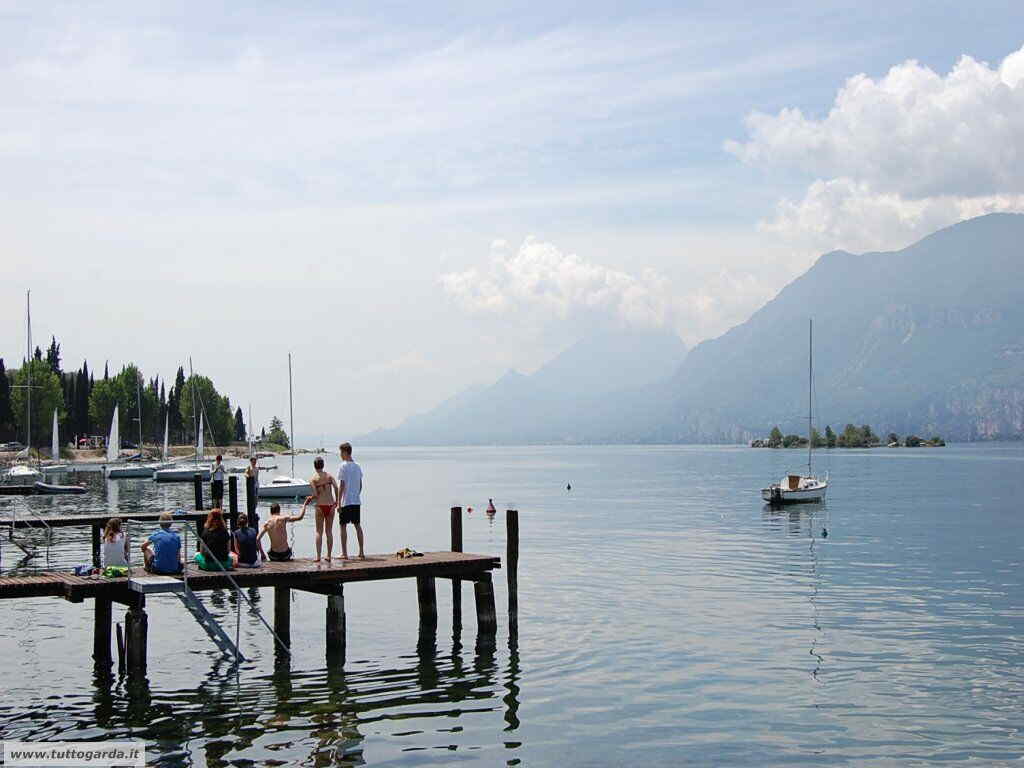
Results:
x,y
666,618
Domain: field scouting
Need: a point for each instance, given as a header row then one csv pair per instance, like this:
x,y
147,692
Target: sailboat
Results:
x,y
287,487
24,473
794,488
56,465
179,473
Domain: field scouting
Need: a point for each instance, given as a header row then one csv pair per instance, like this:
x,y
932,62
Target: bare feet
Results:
x,y
316,559
328,558
362,556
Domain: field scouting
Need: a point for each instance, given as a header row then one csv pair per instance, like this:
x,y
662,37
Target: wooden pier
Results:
x,y
322,578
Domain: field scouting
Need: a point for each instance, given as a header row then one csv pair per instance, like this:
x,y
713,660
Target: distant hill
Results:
x,y
926,340
557,403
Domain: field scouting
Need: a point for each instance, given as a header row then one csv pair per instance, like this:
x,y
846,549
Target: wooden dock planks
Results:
x,y
296,574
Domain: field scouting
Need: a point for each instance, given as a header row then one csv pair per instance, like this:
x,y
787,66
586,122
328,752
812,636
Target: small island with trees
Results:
x,y
852,436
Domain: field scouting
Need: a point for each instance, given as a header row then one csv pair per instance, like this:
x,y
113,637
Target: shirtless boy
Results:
x,y
276,530
325,489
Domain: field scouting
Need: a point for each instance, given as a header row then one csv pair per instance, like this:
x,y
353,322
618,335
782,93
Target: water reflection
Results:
x,y
322,716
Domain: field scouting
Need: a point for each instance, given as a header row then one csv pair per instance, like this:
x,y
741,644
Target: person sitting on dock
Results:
x,y
162,550
350,488
276,530
115,545
245,545
325,488
214,554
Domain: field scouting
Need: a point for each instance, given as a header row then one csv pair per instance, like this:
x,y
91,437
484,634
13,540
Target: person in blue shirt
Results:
x,y
162,550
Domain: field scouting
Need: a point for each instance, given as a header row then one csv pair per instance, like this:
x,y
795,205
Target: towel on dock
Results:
x,y
408,552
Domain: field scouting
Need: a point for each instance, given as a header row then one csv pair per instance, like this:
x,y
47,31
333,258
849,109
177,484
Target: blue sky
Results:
x,y
415,197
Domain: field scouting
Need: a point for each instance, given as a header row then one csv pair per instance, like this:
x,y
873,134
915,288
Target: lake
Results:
x,y
667,617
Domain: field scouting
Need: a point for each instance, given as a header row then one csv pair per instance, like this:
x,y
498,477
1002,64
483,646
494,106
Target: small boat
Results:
x,y
56,466
183,473
793,488
50,489
17,490
23,473
122,471
282,487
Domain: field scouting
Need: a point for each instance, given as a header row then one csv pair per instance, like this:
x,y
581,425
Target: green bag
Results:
x,y
115,572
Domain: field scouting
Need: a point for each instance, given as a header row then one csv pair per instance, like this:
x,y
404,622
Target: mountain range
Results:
x,y
926,340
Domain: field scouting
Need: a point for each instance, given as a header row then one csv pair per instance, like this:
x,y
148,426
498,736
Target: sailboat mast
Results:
x,y
291,411
138,395
28,367
195,423
810,387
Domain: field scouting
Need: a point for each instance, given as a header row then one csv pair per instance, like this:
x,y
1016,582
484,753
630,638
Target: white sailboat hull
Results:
x,y
180,474
23,472
139,470
285,488
778,494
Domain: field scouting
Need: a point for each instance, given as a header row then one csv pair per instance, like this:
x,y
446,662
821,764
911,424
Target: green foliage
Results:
x,y
219,420
816,439
912,441
830,437
122,390
793,441
47,394
277,434
239,425
7,432
891,438
775,438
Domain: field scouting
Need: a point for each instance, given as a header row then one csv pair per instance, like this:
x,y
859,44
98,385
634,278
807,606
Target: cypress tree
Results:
x,y
6,414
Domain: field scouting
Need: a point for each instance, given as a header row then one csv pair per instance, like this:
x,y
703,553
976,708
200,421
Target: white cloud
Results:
x,y
898,157
540,280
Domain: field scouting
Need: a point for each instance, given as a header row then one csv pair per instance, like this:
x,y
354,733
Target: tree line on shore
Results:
x,y
85,405
852,436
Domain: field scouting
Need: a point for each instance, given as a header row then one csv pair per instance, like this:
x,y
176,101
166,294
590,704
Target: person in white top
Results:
x,y
217,473
115,544
350,489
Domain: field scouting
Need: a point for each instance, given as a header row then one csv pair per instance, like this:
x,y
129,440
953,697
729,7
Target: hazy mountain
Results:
x,y
557,403
926,340
929,339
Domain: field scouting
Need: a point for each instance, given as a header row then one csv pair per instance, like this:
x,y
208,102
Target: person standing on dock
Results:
x,y
253,471
325,489
217,474
350,489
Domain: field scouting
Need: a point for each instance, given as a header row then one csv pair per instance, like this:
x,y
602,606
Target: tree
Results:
x,y
215,409
830,437
816,439
53,355
793,441
775,438
869,438
912,441
892,438
6,414
239,425
277,434
47,394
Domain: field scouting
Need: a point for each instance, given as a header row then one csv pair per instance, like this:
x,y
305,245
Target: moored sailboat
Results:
x,y
287,487
796,488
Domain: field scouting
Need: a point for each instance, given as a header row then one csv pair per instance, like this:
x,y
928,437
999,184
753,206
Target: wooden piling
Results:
x,y
250,499
283,614
136,625
101,632
456,583
426,592
486,617
120,650
232,502
96,531
197,483
336,625
512,567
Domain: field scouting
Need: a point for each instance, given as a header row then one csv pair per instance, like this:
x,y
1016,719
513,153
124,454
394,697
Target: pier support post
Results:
x,y
456,583
101,632
136,626
95,546
512,569
336,625
486,618
197,484
283,614
232,502
426,591
250,501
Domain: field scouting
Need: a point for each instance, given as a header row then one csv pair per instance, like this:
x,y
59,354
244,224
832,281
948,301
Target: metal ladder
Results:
x,y
209,624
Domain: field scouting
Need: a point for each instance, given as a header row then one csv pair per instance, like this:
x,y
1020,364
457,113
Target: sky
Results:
x,y
413,198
